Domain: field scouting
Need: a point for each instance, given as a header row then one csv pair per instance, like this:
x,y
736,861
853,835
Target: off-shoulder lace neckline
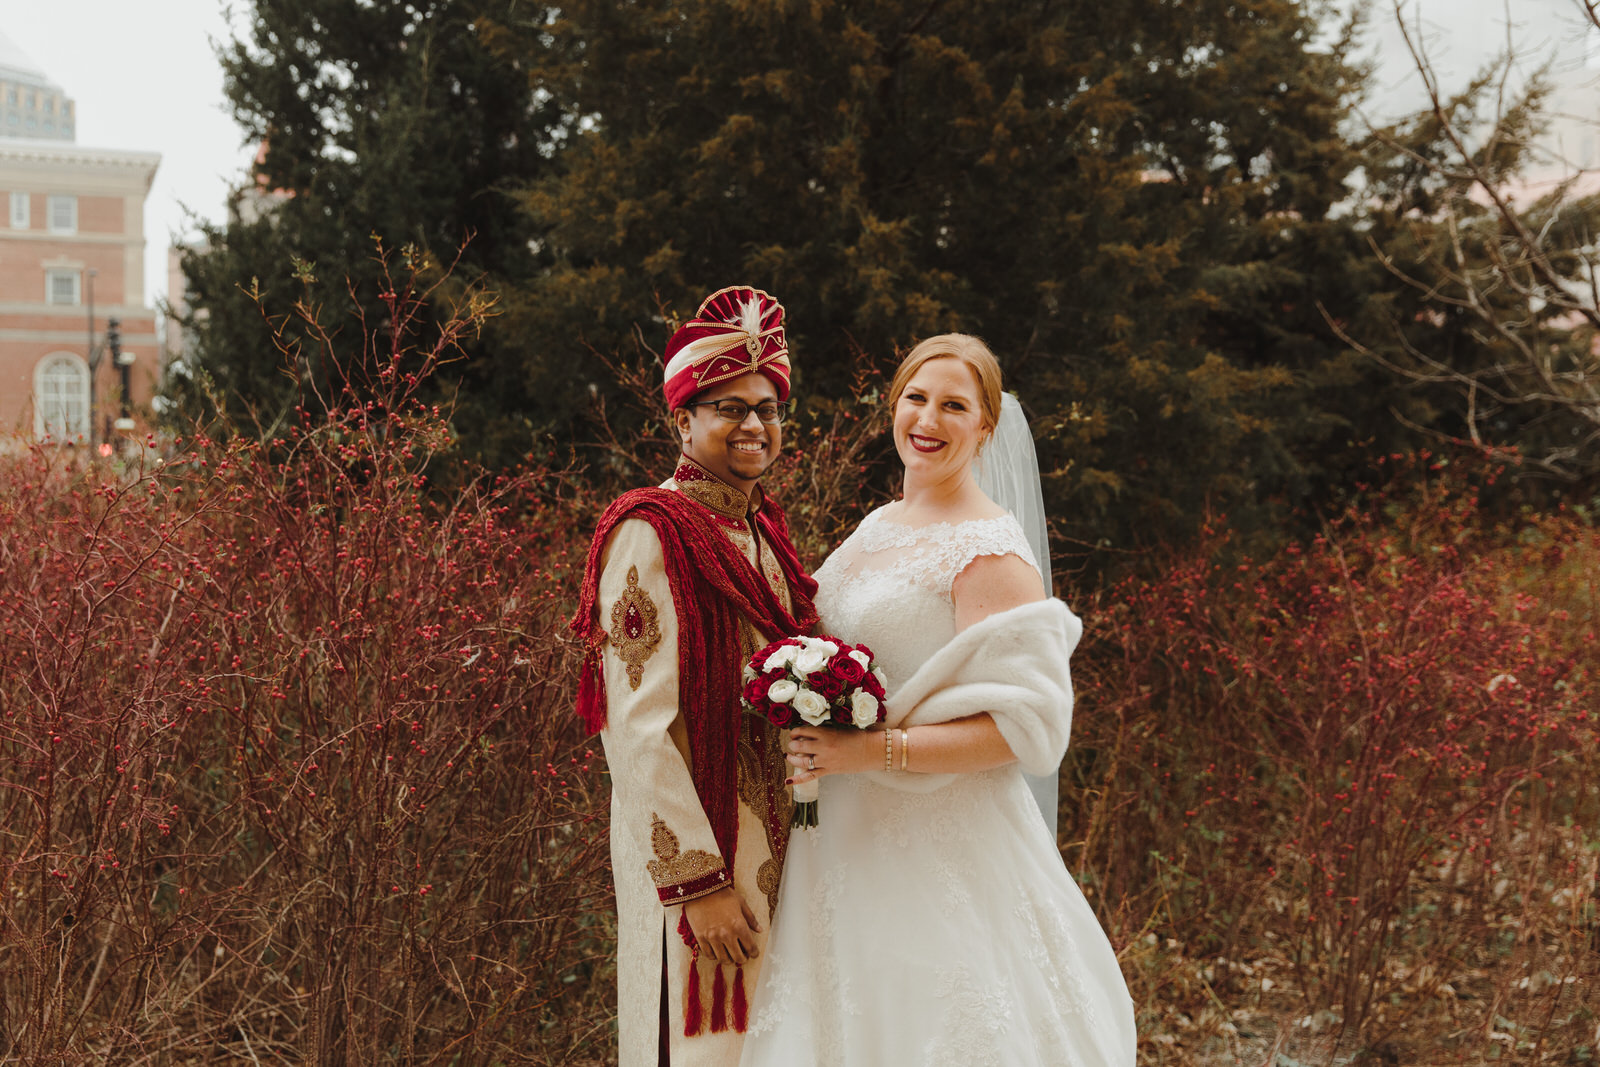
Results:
x,y
943,524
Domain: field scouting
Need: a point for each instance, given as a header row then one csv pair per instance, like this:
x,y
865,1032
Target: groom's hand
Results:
x,y
724,925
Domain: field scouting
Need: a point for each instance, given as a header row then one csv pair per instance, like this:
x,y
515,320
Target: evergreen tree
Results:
x,y
387,119
1130,202
1146,209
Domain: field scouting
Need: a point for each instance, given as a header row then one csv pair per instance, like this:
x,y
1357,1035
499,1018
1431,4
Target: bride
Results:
x,y
929,919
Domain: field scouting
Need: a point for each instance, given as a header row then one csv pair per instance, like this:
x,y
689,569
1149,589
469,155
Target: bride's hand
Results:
x,y
815,751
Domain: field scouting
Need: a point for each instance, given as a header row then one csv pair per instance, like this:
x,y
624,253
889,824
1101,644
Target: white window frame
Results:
x,y
21,211
56,202
61,414
52,275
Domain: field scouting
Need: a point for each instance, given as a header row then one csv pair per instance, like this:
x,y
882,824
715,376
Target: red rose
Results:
x,y
870,683
780,715
849,670
827,685
755,693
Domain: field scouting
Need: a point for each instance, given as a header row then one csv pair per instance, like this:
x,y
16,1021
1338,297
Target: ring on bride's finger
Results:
x,y
812,765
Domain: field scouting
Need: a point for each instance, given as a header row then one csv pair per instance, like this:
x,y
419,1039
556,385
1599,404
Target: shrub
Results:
x,y
1355,757
288,768
287,764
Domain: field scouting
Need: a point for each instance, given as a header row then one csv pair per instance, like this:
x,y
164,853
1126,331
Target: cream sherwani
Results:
x,y
663,852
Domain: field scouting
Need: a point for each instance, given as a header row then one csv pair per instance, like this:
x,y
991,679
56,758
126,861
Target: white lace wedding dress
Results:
x,y
928,928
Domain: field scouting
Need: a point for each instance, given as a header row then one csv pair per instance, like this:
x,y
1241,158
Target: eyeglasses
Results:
x,y
768,411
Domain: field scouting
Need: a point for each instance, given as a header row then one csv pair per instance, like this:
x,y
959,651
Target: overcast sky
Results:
x,y
1460,35
144,76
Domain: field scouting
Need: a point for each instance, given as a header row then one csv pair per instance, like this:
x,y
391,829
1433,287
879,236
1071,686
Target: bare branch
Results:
x,y
1524,280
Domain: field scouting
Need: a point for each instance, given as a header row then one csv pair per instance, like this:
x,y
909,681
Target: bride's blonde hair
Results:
x,y
969,350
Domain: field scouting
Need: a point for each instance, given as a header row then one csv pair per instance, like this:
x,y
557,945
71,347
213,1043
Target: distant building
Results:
x,y
30,106
71,259
248,203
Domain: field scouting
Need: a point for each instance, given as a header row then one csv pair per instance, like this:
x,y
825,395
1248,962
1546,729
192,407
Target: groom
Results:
x,y
683,583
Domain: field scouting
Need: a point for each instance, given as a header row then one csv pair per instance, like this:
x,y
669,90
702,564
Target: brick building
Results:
x,y
71,259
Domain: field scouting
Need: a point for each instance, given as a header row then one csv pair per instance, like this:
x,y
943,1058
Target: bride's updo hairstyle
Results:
x,y
969,350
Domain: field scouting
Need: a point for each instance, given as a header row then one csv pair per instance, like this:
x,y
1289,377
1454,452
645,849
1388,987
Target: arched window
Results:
x,y
61,397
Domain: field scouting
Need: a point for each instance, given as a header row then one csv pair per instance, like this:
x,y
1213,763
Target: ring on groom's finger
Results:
x,y
812,764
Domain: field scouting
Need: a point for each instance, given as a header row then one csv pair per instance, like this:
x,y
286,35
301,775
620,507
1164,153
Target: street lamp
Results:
x,y
93,357
124,363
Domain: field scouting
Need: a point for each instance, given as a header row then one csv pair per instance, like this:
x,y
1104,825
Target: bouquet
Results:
x,y
814,681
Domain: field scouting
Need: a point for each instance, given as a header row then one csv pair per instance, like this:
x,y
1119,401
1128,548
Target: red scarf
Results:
x,y
713,587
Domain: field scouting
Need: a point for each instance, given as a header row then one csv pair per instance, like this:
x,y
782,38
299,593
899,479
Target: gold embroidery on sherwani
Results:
x,y
634,633
698,484
767,881
761,773
670,867
774,575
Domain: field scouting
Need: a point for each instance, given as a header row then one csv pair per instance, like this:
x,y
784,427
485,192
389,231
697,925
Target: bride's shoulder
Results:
x,y
996,535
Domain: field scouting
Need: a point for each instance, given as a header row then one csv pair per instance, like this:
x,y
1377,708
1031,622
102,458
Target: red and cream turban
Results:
x,y
736,331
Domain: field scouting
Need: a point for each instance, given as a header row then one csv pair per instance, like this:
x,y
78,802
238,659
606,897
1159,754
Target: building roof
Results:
x,y
97,166
17,67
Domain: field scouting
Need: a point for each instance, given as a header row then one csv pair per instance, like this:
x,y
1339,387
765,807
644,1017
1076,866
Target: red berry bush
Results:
x,y
1363,767
288,771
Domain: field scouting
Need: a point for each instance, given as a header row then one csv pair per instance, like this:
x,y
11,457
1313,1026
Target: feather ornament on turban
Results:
x,y
737,331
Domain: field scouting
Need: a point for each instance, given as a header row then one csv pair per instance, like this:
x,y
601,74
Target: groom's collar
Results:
x,y
701,486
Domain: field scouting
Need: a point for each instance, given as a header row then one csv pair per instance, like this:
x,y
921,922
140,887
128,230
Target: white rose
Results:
x,y
812,660
749,673
882,679
863,708
829,647
861,658
781,658
782,691
813,707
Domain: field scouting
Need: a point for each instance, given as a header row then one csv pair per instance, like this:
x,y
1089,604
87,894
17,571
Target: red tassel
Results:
x,y
719,1002
693,1017
591,703
741,1008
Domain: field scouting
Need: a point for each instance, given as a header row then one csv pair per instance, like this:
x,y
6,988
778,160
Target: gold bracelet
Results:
x,y
888,749
905,749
